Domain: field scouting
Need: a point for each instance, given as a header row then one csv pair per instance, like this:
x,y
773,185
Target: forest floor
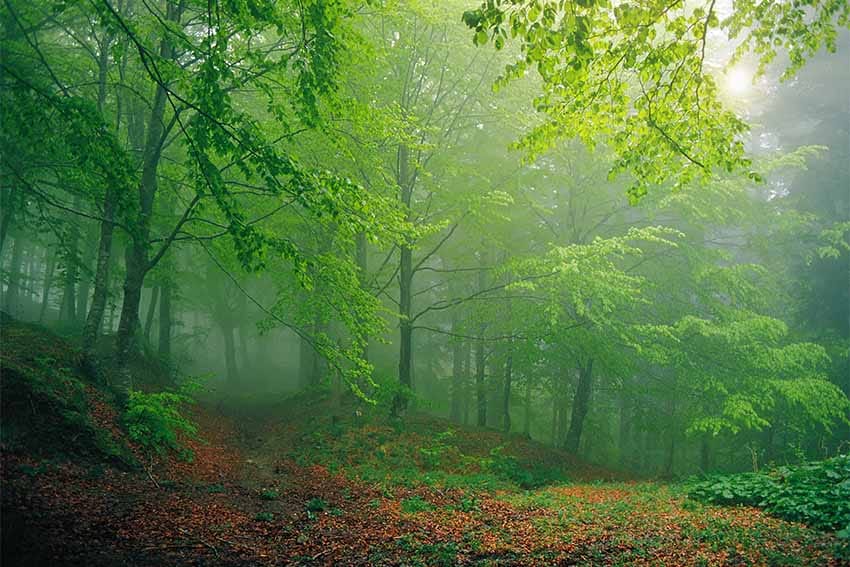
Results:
x,y
306,482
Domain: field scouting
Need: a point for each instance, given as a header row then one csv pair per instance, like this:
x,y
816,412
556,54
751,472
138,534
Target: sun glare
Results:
x,y
739,81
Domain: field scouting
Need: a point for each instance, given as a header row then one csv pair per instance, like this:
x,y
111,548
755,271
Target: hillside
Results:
x,y
305,481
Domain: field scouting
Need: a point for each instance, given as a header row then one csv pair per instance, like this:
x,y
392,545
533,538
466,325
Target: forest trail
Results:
x,y
301,481
245,500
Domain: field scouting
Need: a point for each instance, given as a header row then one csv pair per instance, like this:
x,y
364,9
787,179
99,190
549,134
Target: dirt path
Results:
x,y
244,501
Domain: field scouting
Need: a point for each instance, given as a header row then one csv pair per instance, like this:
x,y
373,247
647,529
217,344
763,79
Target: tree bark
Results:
x,y
581,405
8,207
165,322
362,265
405,285
506,393
230,353
48,282
151,312
68,311
137,251
457,379
13,288
480,384
94,318
306,365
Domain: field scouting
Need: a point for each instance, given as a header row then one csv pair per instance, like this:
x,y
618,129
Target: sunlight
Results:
x,y
739,80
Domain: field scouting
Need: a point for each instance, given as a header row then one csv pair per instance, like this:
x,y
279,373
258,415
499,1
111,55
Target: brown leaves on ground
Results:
x,y
204,515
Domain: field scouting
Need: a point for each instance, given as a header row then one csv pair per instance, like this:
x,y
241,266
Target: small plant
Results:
x,y
316,505
469,503
154,421
432,456
816,493
264,517
415,504
269,494
215,488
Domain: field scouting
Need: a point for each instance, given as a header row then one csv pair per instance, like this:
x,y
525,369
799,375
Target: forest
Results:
x,y
425,282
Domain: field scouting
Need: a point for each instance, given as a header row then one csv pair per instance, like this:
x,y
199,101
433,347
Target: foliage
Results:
x,y
415,504
49,404
815,493
634,75
155,421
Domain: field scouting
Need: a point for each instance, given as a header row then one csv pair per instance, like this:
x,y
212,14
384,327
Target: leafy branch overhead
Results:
x,y
640,77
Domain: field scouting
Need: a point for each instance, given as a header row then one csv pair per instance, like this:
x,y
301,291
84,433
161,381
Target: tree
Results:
x,y
638,78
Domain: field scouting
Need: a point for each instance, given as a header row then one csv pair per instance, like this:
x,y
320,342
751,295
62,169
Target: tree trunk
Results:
x,y
306,364
230,353
8,208
466,362
456,392
165,322
625,430
581,405
362,265
13,289
671,452
526,424
243,347
85,278
405,286
68,311
151,312
506,393
94,320
480,384
48,282
137,253
704,454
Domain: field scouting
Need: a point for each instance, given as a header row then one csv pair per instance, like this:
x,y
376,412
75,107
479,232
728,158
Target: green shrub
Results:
x,y
154,421
816,493
269,494
432,456
316,505
415,504
509,468
264,517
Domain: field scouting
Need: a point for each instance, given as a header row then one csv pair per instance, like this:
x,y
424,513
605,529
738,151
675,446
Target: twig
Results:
x,y
206,543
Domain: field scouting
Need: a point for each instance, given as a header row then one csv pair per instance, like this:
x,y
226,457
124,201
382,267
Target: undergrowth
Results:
x,y
816,493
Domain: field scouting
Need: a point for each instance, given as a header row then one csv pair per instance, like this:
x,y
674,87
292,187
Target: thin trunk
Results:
x,y
305,363
137,252
243,347
8,208
94,318
704,454
480,378
405,284
581,405
230,353
466,361
526,424
625,430
456,392
85,278
48,282
506,393
165,322
480,384
362,265
671,452
72,269
13,289
151,312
